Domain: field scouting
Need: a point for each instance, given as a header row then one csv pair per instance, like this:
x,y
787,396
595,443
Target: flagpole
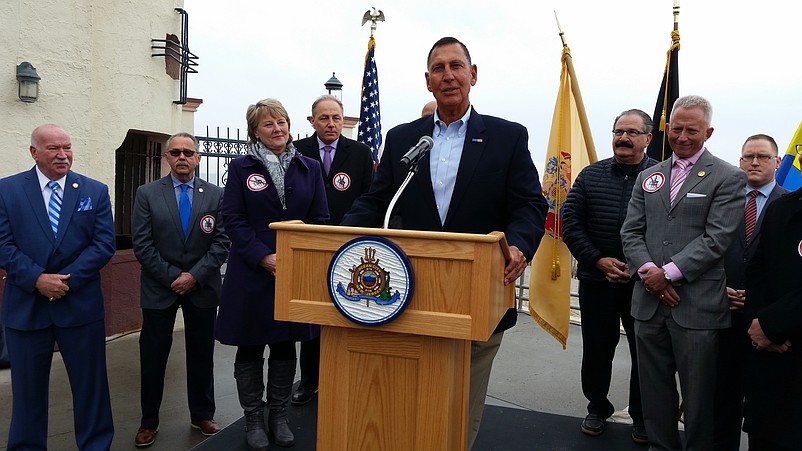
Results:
x,y
583,117
369,125
567,154
676,15
674,44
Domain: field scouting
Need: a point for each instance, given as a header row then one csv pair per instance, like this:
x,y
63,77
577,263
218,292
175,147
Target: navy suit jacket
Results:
x,y
85,243
497,187
246,309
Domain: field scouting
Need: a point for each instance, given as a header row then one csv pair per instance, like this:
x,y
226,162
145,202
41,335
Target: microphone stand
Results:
x,y
413,169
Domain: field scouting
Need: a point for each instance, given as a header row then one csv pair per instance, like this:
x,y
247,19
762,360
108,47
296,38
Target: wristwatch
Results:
x,y
665,274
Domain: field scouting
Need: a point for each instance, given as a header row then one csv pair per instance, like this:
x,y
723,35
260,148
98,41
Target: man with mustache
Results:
x,y
179,240
593,214
56,233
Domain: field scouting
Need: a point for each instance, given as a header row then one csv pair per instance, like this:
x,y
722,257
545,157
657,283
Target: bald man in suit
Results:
x,y
56,234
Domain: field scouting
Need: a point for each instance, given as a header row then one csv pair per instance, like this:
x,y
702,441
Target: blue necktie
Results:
x,y
54,206
184,208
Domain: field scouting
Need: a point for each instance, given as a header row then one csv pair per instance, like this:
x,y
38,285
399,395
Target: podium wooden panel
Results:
x,y
402,385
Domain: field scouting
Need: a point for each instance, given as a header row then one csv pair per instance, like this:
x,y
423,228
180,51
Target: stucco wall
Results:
x,y
98,78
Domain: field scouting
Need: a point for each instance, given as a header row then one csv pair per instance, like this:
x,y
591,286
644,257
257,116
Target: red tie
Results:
x,y
750,214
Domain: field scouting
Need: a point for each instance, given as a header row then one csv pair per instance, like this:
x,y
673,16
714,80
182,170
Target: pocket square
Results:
x,y
693,195
85,204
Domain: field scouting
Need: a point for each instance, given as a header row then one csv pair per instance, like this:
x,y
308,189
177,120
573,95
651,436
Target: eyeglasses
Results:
x,y
177,152
760,158
630,133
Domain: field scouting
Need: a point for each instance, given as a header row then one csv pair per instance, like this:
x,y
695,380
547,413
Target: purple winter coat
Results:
x,y
249,204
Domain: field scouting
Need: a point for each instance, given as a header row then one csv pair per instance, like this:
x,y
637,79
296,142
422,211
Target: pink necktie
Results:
x,y
681,175
327,158
750,214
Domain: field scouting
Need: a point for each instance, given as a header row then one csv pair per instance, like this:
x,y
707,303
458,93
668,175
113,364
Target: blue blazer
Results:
x,y
85,243
497,187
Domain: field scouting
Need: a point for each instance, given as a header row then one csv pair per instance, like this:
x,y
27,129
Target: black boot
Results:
x,y
250,388
280,375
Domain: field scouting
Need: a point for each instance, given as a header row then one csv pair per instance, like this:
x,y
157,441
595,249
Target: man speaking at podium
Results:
x,y
477,178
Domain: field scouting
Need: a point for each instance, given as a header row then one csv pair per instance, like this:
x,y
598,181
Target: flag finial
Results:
x,y
373,15
676,14
560,29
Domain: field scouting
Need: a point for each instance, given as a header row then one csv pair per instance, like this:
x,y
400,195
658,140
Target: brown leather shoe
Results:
x,y
145,437
207,427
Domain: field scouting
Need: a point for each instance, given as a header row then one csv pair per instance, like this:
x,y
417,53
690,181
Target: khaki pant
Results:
x,y
482,355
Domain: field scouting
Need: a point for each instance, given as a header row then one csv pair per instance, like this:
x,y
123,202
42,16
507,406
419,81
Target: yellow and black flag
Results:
x,y
570,149
659,148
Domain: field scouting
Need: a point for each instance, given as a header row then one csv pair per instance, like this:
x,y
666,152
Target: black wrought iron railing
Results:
x,y
216,151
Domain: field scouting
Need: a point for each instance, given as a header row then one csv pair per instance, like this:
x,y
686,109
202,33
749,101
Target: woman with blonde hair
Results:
x,y
273,182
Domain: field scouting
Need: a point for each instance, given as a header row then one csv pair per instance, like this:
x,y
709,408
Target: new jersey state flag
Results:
x,y
570,149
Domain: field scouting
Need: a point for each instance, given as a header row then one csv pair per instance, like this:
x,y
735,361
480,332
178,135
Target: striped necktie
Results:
x,y
54,206
681,175
750,214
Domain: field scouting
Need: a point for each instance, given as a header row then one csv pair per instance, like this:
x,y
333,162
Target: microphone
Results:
x,y
418,150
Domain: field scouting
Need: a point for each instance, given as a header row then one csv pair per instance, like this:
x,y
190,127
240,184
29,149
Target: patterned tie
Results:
x,y
184,208
750,214
54,206
676,182
327,158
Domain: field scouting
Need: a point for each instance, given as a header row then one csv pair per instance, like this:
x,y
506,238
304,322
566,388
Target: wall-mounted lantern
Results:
x,y
28,82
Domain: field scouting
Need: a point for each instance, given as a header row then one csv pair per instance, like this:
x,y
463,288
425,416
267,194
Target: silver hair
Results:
x,y
694,101
183,135
326,97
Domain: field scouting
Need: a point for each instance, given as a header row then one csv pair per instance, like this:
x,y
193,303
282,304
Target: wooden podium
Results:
x,y
402,385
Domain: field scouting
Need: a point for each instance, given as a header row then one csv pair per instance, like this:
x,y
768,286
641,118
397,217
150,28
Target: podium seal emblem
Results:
x,y
370,280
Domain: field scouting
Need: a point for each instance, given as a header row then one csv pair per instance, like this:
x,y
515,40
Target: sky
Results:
x,y
742,56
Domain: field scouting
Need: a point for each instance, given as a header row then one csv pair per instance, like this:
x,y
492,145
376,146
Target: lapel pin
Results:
x,y
477,140
200,190
75,185
701,173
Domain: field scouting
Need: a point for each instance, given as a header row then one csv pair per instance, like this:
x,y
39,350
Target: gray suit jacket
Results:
x,y
160,247
694,233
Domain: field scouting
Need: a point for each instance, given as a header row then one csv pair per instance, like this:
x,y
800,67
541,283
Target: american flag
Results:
x,y
370,127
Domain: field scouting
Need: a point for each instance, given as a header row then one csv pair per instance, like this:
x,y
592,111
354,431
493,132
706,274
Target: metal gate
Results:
x,y
216,152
